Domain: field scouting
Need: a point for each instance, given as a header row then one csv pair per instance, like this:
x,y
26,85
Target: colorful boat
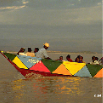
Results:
x,y
27,66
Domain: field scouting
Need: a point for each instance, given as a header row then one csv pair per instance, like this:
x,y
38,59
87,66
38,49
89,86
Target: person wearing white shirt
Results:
x,y
94,61
42,53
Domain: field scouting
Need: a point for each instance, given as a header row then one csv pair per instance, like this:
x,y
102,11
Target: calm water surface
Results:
x,y
40,89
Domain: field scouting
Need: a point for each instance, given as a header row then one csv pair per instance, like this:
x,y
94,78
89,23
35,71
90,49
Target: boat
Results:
x,y
27,66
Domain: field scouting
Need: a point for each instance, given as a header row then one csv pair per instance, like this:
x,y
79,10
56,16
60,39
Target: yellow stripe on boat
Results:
x,y
2,51
73,67
18,62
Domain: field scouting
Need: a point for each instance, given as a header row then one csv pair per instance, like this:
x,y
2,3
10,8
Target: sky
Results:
x,y
67,25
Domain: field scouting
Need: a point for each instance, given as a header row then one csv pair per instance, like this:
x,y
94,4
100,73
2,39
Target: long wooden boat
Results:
x,y
27,66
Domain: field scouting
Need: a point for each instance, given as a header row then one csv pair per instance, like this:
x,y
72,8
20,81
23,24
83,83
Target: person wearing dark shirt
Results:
x,y
36,50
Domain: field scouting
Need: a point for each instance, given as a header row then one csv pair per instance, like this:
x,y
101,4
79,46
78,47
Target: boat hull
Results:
x,y
28,66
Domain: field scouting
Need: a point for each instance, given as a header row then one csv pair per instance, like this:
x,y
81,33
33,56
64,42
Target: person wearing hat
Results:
x,y
42,53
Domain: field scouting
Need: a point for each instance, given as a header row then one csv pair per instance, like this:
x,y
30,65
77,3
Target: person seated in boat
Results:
x,y
94,60
30,53
60,58
81,59
36,50
101,61
21,52
42,53
69,58
77,59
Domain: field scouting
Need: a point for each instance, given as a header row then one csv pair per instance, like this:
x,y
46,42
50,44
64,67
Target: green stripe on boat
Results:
x,y
10,56
51,64
93,69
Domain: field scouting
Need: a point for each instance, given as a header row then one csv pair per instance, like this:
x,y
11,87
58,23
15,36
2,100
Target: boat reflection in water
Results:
x,y
56,89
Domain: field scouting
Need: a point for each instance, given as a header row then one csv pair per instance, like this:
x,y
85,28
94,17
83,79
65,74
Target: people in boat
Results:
x,y
30,53
101,61
36,50
60,58
21,52
94,60
68,57
42,53
81,59
77,59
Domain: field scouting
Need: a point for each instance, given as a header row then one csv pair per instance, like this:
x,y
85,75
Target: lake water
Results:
x,y
15,88
40,89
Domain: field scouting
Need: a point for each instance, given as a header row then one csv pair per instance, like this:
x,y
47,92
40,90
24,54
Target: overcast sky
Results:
x,y
68,25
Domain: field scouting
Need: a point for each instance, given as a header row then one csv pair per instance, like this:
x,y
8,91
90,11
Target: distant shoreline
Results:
x,y
83,52
60,52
